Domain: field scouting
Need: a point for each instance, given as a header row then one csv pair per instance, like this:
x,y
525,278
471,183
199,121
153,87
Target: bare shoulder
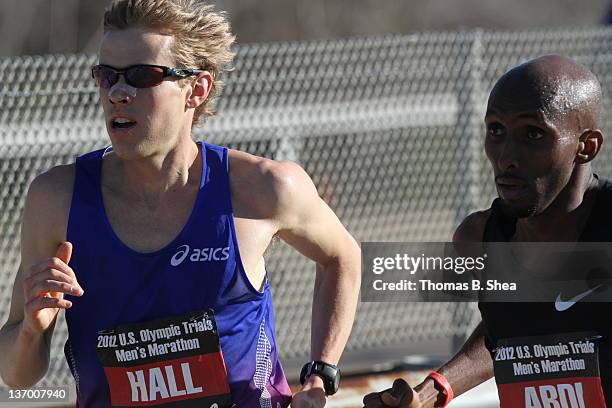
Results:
x,y
266,185
49,197
55,185
472,227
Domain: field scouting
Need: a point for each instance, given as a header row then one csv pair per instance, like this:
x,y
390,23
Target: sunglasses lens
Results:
x,y
105,77
144,76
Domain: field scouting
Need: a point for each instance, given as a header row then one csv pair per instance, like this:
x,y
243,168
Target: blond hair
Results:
x,y
202,37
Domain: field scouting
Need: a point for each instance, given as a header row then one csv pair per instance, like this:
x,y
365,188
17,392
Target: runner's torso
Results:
x,y
508,320
200,269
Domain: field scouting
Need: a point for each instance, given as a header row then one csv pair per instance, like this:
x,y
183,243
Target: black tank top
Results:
x,y
507,320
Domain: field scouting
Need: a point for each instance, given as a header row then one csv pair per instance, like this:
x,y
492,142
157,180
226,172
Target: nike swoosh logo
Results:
x,y
562,305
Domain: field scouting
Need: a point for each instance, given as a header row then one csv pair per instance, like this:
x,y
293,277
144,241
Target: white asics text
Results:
x,y
199,255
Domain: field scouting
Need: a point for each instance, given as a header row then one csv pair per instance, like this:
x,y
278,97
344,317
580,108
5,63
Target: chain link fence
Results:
x,y
390,129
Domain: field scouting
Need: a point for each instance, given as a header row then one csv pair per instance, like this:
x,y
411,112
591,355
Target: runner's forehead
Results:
x,y
552,97
534,113
519,98
122,48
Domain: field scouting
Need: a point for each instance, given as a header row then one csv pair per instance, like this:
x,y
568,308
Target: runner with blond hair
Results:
x,y
154,245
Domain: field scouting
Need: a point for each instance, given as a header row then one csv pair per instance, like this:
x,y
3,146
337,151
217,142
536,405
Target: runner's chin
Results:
x,y
518,201
519,208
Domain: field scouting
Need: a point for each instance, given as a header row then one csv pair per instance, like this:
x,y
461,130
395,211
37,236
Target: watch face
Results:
x,y
329,373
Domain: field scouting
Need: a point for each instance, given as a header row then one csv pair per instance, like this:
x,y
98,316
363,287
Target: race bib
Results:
x,y
169,362
554,371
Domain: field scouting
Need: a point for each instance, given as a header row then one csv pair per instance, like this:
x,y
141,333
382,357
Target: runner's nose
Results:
x,y
121,92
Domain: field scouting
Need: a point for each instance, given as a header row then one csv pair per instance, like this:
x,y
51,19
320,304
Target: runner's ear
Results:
x,y
200,89
589,145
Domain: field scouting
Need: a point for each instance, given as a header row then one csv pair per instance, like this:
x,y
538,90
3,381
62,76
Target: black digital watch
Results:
x,y
329,373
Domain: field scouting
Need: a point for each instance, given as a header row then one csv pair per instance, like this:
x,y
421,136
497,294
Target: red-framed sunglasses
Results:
x,y
139,76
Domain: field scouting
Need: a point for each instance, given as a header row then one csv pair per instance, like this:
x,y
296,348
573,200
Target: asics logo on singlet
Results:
x,y
199,255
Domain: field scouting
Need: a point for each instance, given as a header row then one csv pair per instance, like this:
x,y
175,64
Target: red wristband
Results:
x,y
442,385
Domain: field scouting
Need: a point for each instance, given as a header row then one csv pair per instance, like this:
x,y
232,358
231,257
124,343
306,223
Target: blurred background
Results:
x,y
69,26
382,102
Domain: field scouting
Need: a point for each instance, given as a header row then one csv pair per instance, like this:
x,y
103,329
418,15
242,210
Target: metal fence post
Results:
x,y
469,146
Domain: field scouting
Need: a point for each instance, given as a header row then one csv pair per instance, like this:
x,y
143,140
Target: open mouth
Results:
x,y
122,123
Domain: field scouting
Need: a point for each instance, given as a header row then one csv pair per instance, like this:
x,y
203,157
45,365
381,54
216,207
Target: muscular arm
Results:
x,y
472,364
310,226
26,336
285,201
469,367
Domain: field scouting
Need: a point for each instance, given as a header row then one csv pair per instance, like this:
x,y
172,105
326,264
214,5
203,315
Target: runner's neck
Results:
x,y
573,206
151,179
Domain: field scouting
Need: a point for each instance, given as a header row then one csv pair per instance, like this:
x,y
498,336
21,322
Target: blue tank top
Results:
x,y
200,269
